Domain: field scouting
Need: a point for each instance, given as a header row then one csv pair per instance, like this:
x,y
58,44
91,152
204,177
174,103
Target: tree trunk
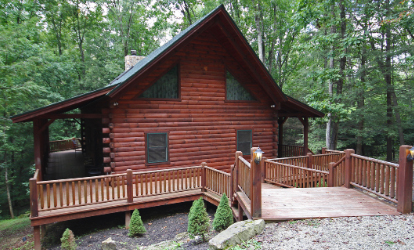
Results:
x,y
8,192
258,21
360,105
387,76
331,129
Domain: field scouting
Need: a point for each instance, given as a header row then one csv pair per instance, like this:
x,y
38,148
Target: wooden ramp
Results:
x,y
323,202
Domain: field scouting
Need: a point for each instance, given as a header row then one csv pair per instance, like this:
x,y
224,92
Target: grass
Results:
x,y
13,225
12,231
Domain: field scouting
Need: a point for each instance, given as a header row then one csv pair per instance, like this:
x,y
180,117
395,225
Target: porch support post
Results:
x,y
130,188
405,181
255,185
309,160
127,219
305,123
203,177
331,176
348,167
281,121
36,237
305,135
39,145
275,133
236,173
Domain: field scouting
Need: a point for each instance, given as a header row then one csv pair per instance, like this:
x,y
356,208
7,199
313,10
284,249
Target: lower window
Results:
x,y
157,147
244,141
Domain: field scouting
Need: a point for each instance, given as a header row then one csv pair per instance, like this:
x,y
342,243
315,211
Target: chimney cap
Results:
x,y
133,52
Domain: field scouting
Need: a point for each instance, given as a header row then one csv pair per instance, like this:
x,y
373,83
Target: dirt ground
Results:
x,y
162,223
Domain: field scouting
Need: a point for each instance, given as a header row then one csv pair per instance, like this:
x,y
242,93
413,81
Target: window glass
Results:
x,y
166,87
235,91
244,141
157,147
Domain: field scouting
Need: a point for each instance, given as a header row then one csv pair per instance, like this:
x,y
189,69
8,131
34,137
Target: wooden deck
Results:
x,y
323,202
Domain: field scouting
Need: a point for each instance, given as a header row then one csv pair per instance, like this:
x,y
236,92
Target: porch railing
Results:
x,y
292,150
61,145
288,175
375,176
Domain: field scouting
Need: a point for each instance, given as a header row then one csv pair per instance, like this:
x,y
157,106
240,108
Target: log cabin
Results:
x,y
200,97
165,131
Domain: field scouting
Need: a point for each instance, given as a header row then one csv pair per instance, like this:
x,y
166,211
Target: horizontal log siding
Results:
x,y
201,125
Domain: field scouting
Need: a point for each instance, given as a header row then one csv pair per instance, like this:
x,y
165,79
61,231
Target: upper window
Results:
x,y
157,147
164,88
244,141
235,91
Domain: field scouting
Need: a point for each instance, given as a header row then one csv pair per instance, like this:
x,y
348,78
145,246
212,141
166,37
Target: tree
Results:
x,y
223,217
136,226
198,221
68,240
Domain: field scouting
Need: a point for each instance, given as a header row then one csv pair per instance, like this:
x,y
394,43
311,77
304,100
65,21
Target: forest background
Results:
x,y
351,59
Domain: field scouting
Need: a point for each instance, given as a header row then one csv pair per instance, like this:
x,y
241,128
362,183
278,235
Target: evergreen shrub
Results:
x,y
223,217
68,240
136,226
198,221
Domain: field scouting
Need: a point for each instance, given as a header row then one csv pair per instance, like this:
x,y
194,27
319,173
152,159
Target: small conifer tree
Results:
x,y
68,240
224,216
136,226
198,221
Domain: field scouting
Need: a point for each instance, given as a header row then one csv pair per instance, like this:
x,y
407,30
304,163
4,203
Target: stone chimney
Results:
x,y
131,60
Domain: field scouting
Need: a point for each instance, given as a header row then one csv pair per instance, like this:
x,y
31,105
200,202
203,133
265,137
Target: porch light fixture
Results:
x,y
410,155
258,155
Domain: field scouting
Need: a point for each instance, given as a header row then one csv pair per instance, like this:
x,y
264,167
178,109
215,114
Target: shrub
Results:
x,y
68,240
224,216
198,221
136,226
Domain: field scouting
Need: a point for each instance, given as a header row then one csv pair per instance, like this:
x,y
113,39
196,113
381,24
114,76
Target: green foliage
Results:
x,y
136,226
223,217
198,220
68,240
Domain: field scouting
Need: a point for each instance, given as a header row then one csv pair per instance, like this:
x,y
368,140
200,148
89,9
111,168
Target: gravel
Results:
x,y
368,232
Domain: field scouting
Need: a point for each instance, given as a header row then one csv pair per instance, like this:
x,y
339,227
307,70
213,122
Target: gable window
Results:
x,y
165,87
157,147
235,91
244,141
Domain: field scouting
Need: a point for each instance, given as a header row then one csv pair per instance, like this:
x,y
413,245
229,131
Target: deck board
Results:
x,y
323,202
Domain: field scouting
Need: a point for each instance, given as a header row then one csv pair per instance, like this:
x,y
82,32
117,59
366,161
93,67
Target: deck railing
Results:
x,y
321,161
217,181
288,175
62,145
337,173
375,176
81,191
292,150
244,176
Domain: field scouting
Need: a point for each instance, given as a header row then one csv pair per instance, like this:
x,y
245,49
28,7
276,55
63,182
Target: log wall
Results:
x,y
202,126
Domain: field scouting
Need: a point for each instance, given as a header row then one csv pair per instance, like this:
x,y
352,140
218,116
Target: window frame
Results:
x,y
226,69
137,96
237,139
147,162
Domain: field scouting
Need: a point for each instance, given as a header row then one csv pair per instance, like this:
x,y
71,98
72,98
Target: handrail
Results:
x,y
337,173
293,150
293,176
244,176
60,145
218,181
375,176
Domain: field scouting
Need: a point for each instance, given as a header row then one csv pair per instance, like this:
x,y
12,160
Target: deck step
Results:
x,y
235,211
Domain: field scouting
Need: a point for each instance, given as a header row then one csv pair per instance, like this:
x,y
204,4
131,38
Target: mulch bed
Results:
x,y
162,223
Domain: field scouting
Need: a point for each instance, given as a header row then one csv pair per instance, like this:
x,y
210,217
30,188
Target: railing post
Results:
x,y
203,176
256,185
331,177
309,160
348,167
405,181
34,207
323,150
130,188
